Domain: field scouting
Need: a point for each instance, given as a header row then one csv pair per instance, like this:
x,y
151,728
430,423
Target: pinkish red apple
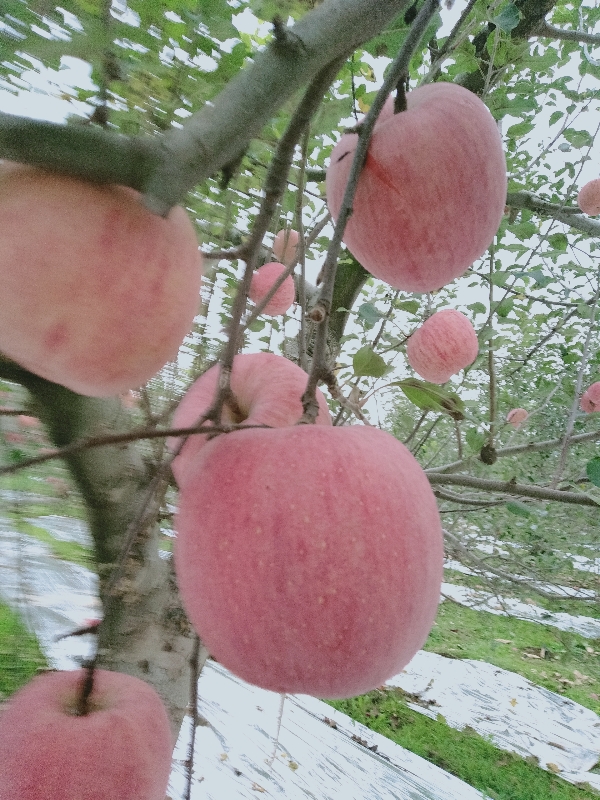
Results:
x,y
309,558
590,399
26,421
588,198
516,417
442,346
285,246
262,282
120,750
267,390
432,192
97,292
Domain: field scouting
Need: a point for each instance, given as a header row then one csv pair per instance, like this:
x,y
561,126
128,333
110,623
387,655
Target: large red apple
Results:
x,y
97,292
285,246
432,192
442,346
588,198
262,283
267,389
120,750
309,558
590,399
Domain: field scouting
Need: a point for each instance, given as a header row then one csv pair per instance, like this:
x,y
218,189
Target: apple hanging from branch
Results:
x,y
262,282
309,558
432,192
443,345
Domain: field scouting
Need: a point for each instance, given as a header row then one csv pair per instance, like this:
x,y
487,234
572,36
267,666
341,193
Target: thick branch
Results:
x,y
552,32
570,215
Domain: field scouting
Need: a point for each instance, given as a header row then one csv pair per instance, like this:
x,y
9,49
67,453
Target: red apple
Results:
x,y
516,417
309,558
262,281
442,346
432,192
588,198
120,750
28,422
590,399
97,292
285,246
267,389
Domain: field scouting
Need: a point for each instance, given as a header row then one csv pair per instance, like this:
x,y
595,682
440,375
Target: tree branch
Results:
x,y
514,489
545,29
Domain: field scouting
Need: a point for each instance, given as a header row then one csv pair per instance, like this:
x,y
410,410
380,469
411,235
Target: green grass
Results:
x,y
499,775
20,655
67,551
566,663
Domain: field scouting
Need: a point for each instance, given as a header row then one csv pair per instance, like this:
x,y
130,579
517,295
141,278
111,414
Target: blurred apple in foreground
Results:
x,y
588,198
120,750
97,292
309,558
285,246
267,389
262,282
432,191
590,399
516,417
443,345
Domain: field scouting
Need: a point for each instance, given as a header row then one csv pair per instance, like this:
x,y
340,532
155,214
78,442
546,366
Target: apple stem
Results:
x,y
86,688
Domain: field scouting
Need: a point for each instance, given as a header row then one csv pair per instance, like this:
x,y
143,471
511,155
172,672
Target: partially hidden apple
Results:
x,y
516,417
443,345
120,750
262,282
309,558
588,198
285,245
590,399
26,421
267,389
432,192
97,293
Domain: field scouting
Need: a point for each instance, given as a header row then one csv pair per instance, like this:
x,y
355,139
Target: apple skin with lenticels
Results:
x,y
443,345
309,558
120,750
588,198
97,293
267,389
590,399
432,191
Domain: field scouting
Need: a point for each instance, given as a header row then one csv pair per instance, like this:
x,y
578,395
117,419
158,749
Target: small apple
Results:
x,y
590,399
285,246
120,750
97,292
432,191
442,346
309,558
267,389
516,417
588,198
26,421
262,281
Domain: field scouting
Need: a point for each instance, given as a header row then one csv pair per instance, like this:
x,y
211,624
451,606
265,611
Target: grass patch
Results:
x,y
566,663
20,655
67,551
465,754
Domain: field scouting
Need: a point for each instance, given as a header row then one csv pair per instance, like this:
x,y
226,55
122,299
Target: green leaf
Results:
x,y
592,469
520,509
369,313
519,130
367,363
257,325
559,241
505,307
431,397
475,439
578,138
524,230
410,306
477,308
555,116
508,18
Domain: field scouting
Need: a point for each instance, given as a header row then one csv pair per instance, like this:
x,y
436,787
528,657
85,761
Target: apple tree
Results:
x,y
231,110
